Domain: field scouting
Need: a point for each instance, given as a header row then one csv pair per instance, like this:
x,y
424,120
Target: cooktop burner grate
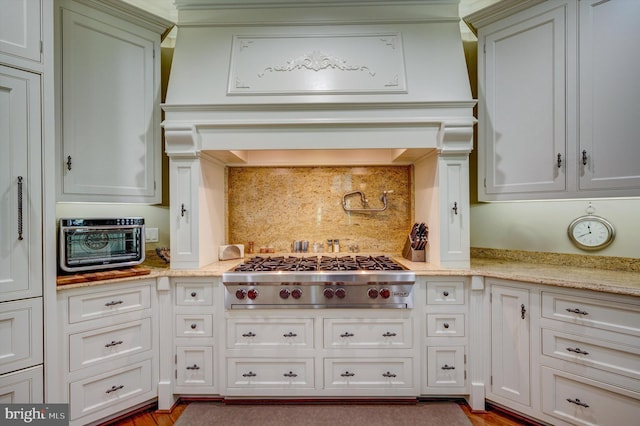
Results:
x,y
322,263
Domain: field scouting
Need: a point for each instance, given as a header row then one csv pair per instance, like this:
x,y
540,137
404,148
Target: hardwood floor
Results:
x,y
150,417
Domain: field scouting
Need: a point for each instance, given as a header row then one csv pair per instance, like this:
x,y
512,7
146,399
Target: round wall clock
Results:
x,y
591,232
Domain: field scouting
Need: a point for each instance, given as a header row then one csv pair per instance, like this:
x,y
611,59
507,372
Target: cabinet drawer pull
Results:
x,y
194,294
113,343
290,374
523,311
577,311
193,367
347,334
20,214
347,374
194,326
182,210
578,351
445,293
455,208
249,334
448,367
578,402
559,160
388,374
389,334
249,374
114,303
69,162
290,334
445,325
114,388
584,157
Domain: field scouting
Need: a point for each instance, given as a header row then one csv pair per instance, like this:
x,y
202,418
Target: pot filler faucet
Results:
x,y
365,202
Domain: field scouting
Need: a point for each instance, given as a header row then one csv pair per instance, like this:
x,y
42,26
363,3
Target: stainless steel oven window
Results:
x,y
85,246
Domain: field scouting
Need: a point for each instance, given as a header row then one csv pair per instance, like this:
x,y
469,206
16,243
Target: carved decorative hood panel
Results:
x,y
255,75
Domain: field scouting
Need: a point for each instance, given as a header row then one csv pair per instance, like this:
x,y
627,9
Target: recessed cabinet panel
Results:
x,y
194,366
368,373
23,386
581,401
523,145
445,366
369,333
97,346
110,122
20,334
270,373
20,31
609,93
271,333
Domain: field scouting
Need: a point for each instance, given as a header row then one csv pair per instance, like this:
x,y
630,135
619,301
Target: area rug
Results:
x,y
422,413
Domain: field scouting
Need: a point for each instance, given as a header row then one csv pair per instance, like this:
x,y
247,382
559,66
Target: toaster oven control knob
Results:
x,y
284,293
296,293
252,294
241,294
340,293
328,293
385,293
372,293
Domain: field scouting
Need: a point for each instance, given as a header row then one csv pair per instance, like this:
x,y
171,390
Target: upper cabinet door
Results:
x,y
20,33
20,183
110,135
609,154
522,111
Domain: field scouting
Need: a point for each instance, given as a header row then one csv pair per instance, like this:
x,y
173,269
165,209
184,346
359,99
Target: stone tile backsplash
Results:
x,y
273,206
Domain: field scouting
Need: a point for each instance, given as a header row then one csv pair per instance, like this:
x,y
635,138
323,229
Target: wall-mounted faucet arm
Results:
x,y
365,202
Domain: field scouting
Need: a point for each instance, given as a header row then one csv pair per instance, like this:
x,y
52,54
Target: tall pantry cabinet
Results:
x,y
22,71
558,94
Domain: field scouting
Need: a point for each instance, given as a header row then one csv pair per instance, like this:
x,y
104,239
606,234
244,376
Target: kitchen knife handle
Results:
x,y
20,237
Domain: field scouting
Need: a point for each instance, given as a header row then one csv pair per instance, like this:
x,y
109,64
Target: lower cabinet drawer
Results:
x,y
196,325
96,393
369,333
445,366
291,373
22,387
270,333
194,366
341,373
20,334
582,401
103,304
597,353
93,347
445,325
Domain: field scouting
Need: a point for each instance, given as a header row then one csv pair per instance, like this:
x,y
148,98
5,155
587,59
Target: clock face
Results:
x,y
591,232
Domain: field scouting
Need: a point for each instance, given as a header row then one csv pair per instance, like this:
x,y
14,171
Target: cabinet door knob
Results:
x,y
194,326
523,311
559,160
194,294
455,208
445,325
68,162
584,157
182,210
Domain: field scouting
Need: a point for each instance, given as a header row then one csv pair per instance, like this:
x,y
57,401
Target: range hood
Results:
x,y
270,82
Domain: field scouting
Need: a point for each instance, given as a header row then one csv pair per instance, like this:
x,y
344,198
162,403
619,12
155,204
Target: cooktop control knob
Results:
x,y
385,293
241,294
284,293
372,293
340,292
296,293
328,293
252,294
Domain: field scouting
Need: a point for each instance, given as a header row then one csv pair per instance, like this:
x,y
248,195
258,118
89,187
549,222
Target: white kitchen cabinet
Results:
x,y
510,342
445,309
196,333
590,357
21,33
21,276
110,139
454,210
609,151
557,100
109,348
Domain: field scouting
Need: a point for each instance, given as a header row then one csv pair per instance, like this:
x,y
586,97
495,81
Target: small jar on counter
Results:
x,y
336,246
251,247
329,246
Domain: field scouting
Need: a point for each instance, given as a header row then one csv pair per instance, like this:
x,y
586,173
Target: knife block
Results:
x,y
409,253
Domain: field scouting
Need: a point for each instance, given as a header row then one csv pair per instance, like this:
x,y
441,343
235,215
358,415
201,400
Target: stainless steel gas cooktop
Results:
x,y
319,282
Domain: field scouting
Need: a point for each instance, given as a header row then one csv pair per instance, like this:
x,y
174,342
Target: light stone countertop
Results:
x,y
578,277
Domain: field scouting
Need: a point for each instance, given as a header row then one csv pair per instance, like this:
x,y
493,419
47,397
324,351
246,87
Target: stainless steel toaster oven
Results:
x,y
100,243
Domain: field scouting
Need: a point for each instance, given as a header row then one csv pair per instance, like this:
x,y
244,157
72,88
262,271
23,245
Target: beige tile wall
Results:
x,y
273,206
